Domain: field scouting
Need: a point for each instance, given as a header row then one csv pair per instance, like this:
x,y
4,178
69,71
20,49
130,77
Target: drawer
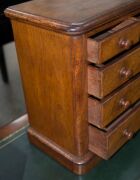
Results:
x,y
106,143
102,81
103,47
102,112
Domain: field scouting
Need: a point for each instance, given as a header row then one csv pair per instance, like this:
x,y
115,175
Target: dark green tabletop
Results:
x,y
19,160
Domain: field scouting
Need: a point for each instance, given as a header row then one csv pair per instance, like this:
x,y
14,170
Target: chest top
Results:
x,y
77,16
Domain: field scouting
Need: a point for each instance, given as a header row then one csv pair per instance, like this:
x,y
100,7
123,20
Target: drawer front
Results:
x,y
102,81
105,144
102,113
113,42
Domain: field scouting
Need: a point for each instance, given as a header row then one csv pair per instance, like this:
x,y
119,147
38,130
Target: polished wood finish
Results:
x,y
74,17
53,53
100,48
78,165
54,81
13,127
101,81
106,143
103,112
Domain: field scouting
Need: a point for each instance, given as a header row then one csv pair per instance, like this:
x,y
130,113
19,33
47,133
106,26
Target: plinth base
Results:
x,y
78,165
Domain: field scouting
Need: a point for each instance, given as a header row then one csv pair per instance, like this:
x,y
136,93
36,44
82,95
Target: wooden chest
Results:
x,y
80,68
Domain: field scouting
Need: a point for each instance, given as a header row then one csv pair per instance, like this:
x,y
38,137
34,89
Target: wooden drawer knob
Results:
x,y
125,72
128,134
125,103
125,43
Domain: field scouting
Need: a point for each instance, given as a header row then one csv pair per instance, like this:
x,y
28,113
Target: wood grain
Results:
x,y
51,41
101,113
100,49
105,144
102,81
78,165
53,76
73,17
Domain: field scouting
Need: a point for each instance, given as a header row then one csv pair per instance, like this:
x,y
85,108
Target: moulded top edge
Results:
x,y
73,17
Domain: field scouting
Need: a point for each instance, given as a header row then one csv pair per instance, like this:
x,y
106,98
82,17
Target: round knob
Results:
x,y
125,43
128,134
125,72
124,103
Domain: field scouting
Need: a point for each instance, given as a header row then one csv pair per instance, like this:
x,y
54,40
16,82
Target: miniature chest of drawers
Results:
x,y
80,68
